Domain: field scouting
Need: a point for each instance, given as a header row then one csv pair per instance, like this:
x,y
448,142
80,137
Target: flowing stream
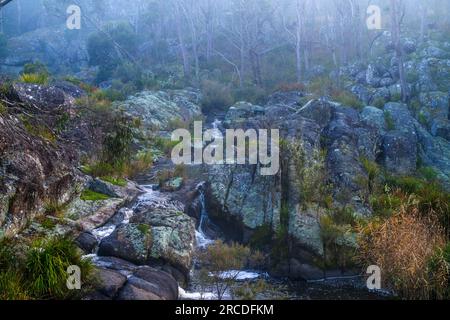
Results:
x,y
281,288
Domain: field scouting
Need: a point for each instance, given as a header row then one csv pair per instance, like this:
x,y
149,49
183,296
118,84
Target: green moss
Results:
x,y
423,119
89,195
144,228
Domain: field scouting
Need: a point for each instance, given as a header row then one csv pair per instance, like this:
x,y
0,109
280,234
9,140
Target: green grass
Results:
x,y
348,99
46,267
54,208
121,182
3,109
34,78
39,270
48,224
89,195
38,130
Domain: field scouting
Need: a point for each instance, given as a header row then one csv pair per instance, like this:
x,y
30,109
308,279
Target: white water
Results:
x,y
203,241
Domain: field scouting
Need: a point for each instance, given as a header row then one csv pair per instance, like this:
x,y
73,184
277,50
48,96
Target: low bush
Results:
x,y
216,96
347,99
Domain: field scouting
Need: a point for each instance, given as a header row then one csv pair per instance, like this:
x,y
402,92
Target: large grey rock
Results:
x,y
173,235
162,109
149,284
400,152
372,116
109,282
131,242
87,242
435,107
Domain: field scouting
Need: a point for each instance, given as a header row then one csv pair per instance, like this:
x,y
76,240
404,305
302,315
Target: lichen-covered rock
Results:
x,y
400,152
372,116
241,111
173,235
435,107
162,109
131,242
33,172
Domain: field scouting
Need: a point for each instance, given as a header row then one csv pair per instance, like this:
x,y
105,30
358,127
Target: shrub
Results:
x,y
118,140
348,99
36,67
216,96
311,175
379,103
250,93
439,270
402,246
333,232
220,257
103,52
261,237
40,271
321,86
372,169
294,86
34,78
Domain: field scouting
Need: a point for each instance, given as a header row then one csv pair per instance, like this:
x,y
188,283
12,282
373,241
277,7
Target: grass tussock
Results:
x,y
39,271
35,78
403,246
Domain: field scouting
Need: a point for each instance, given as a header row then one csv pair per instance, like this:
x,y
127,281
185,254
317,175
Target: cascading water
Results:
x,y
202,239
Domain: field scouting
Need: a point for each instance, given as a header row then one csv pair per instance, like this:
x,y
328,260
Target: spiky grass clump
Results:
x,y
40,271
34,78
46,267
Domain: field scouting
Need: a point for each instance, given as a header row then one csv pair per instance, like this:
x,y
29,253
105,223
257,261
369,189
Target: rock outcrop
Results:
x,y
163,110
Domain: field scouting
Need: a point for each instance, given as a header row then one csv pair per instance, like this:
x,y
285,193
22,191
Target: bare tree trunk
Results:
x,y
298,43
423,22
397,16
183,49
19,17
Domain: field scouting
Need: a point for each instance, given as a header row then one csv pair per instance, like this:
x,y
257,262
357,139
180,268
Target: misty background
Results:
x,y
251,44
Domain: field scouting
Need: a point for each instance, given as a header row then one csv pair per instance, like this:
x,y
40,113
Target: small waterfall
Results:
x,y
202,239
